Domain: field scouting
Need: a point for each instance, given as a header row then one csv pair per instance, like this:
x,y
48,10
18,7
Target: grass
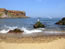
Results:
x,y
1,14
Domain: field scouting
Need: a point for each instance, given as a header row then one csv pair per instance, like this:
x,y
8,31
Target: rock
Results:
x,y
63,19
16,31
61,22
39,25
4,13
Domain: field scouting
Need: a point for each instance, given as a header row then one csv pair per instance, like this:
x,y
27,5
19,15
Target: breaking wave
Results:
x,y
26,31
31,31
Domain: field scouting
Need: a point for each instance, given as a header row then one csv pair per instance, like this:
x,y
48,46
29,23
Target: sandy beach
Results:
x,y
49,42
57,44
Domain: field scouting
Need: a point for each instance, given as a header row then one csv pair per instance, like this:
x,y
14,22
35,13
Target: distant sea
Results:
x,y
26,24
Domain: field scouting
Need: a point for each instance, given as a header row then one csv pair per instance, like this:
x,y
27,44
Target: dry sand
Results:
x,y
59,43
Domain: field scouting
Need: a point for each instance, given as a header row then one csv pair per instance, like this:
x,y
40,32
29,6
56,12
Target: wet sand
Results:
x,y
38,42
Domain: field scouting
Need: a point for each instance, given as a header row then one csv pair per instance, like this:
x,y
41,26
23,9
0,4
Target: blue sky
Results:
x,y
36,8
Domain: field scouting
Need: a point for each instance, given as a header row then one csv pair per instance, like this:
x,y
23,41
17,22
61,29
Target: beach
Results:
x,y
57,44
45,42
32,24
50,37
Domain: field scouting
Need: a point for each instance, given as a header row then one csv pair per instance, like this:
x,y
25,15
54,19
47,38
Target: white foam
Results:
x,y
54,32
4,31
7,30
26,31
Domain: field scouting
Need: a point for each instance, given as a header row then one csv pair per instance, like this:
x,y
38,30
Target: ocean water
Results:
x,y
26,24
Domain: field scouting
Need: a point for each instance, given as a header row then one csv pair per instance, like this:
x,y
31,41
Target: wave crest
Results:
x,y
26,31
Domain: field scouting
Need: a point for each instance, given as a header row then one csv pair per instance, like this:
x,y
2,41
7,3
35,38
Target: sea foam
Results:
x,y
31,31
26,31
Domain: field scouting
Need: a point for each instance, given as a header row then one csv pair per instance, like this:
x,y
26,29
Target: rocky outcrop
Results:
x,y
38,25
12,14
61,22
16,31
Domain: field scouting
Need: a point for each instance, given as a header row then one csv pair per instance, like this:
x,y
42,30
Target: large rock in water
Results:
x,y
38,25
16,31
61,22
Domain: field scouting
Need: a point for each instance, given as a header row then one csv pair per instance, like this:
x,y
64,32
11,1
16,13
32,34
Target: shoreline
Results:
x,y
39,42
36,39
16,18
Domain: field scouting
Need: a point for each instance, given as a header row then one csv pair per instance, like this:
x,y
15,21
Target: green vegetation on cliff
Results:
x,y
12,14
1,14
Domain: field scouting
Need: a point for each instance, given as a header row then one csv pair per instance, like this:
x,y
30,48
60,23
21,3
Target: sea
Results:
x,y
26,24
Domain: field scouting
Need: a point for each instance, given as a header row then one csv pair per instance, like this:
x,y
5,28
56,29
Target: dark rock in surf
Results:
x,y
61,22
16,31
38,25
63,19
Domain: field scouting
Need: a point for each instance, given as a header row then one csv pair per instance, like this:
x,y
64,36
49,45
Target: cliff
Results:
x,y
12,13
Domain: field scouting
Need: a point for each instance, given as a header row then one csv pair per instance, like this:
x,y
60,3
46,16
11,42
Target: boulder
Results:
x,y
38,25
61,22
63,19
16,31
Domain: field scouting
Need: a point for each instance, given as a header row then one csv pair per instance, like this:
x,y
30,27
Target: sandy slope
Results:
x,y
56,44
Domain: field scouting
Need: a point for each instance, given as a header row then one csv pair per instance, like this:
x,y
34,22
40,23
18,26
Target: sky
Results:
x,y
36,8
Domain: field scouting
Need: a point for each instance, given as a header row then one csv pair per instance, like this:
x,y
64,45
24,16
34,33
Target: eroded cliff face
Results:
x,y
12,14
